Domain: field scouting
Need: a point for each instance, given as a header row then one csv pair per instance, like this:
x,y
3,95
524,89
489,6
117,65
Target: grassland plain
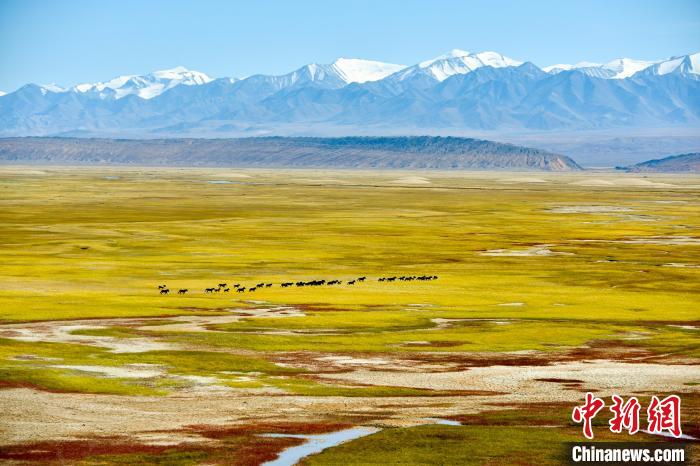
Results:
x,y
548,285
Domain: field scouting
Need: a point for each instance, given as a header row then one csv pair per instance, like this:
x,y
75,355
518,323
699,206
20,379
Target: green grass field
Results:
x,y
536,263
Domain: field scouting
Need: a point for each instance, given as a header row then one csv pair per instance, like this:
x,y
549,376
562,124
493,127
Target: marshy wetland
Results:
x,y
550,285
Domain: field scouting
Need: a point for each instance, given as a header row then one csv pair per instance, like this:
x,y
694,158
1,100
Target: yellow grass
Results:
x,y
95,243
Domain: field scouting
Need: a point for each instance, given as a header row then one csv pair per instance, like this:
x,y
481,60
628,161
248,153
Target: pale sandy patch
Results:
x,y
534,251
351,361
199,383
230,175
523,179
61,332
411,180
128,371
589,209
622,182
31,416
521,381
202,323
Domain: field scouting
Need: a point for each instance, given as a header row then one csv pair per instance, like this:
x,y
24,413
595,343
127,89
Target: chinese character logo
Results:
x,y
587,412
665,415
625,415
662,415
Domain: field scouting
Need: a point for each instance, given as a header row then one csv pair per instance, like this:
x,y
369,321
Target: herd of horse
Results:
x,y
238,288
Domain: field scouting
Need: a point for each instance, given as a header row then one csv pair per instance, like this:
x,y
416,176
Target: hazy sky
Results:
x,y
72,41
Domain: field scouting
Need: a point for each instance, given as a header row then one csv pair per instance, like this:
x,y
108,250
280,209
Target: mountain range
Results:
x,y
456,91
414,152
683,163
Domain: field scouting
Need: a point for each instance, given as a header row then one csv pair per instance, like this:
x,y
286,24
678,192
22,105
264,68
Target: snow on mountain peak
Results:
x,y
146,86
559,67
51,87
626,67
184,75
685,64
454,53
355,70
460,62
619,68
622,68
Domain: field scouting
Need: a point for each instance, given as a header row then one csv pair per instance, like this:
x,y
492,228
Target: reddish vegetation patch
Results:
x,y
569,384
300,428
616,350
463,361
75,450
254,451
533,414
240,445
14,384
10,384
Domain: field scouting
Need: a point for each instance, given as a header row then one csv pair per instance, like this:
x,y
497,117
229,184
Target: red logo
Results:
x,y
665,415
587,412
662,415
625,415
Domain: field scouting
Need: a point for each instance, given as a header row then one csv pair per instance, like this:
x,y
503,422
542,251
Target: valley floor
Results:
x,y
548,286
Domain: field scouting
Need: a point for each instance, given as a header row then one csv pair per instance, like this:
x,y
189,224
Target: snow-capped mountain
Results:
x,y
355,70
458,90
558,68
146,86
688,65
340,73
620,68
456,62
2,93
46,88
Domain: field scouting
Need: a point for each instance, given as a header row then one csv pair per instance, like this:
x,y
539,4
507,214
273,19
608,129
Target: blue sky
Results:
x,y
73,41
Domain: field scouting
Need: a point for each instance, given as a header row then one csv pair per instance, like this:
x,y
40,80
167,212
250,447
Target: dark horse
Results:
x,y
182,291
164,291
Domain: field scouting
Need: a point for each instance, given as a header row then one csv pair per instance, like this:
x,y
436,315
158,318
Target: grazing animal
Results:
x,y
222,285
162,287
237,285
182,291
226,290
164,291
217,289
209,290
351,282
361,279
241,290
250,290
268,285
